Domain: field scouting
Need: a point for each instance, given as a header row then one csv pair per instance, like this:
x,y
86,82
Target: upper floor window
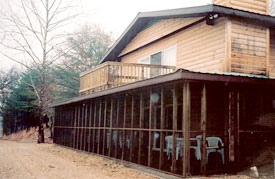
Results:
x,y
165,57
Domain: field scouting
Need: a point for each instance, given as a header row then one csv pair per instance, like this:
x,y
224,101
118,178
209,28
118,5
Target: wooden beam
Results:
x,y
238,128
75,123
90,124
111,126
124,125
85,125
267,52
81,125
117,122
151,116
141,122
175,127
203,129
132,126
104,125
94,130
186,128
99,122
78,133
162,126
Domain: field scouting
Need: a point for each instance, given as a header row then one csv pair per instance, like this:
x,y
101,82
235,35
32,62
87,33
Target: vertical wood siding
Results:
x,y
257,6
272,53
156,31
201,47
249,48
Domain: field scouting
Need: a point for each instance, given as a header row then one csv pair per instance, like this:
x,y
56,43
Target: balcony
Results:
x,y
112,74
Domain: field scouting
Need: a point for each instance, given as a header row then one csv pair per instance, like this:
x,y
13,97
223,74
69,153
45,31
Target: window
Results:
x,y
165,57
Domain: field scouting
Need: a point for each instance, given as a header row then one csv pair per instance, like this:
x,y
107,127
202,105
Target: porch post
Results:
x,y
132,126
99,122
90,125
104,125
175,127
124,126
141,122
78,125
94,130
203,129
75,117
162,126
186,128
117,117
85,125
111,127
150,130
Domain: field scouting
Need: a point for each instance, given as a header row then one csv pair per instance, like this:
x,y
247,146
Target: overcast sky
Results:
x,y
115,15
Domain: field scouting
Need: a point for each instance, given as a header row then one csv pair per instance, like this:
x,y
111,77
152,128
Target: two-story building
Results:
x,y
183,91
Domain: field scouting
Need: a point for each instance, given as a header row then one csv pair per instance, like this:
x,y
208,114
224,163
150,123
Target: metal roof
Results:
x,y
180,74
145,17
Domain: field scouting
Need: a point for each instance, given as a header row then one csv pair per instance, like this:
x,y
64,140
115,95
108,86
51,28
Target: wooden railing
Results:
x,y
112,74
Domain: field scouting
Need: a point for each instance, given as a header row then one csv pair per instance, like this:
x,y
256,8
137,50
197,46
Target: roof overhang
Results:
x,y
179,75
144,17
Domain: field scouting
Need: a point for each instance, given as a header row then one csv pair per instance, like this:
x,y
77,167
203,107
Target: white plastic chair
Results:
x,y
197,148
169,146
156,136
114,138
213,146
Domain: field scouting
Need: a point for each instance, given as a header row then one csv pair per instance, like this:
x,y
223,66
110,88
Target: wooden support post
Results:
x,y
141,123
124,126
238,128
81,125
203,129
117,117
186,128
85,125
90,124
132,126
175,127
111,127
75,123
162,127
99,122
94,130
151,116
78,133
104,124
232,120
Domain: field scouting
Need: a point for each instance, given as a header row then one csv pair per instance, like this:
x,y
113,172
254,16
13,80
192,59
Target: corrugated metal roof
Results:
x,y
234,74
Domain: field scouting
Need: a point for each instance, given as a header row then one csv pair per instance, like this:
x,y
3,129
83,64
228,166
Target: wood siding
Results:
x,y
156,31
272,54
201,47
257,6
249,48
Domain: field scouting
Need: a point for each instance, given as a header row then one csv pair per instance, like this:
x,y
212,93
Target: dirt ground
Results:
x,y
31,160
22,157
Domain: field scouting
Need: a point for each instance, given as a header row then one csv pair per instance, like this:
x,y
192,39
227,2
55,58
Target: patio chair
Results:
x,y
197,148
156,136
169,146
215,144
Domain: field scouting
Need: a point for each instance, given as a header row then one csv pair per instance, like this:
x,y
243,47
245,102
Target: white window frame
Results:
x,y
162,56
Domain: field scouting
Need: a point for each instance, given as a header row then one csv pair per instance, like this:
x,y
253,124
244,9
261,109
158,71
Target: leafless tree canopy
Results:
x,y
31,32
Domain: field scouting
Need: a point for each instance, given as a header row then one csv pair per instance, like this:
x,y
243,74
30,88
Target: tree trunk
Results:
x,y
40,132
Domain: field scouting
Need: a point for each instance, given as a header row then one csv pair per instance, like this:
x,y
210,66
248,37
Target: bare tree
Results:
x,y
31,35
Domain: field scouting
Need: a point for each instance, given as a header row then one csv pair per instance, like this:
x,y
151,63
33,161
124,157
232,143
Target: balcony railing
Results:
x,y
112,74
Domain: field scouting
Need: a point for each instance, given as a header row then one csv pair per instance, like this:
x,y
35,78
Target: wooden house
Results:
x,y
183,91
